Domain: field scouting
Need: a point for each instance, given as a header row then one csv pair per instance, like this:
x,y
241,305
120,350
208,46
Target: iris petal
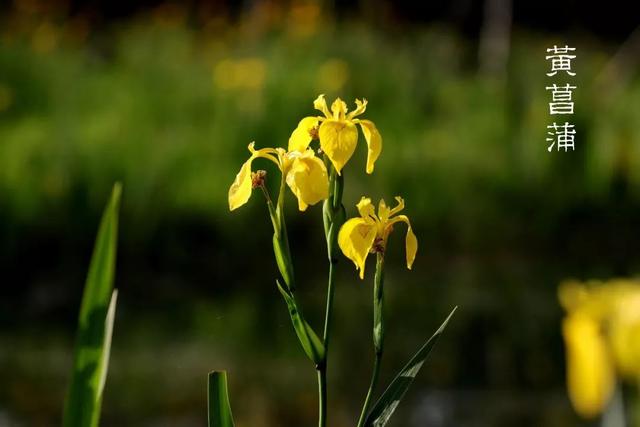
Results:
x,y
374,142
355,239
590,377
411,242
366,209
301,136
361,107
321,104
339,109
307,178
240,190
338,139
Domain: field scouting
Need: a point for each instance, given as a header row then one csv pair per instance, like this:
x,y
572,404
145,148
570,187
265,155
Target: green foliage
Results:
x,y
157,113
388,402
218,400
95,325
309,340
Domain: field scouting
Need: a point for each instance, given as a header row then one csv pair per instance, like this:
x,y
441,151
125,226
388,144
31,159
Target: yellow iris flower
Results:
x,y
590,374
369,233
304,173
602,338
338,133
625,335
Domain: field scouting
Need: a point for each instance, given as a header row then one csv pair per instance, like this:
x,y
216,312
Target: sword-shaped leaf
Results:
x,y
311,343
388,402
218,400
95,325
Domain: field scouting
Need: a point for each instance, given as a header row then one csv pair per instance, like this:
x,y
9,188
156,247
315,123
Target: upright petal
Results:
x,y
240,190
383,211
308,180
411,242
339,109
374,142
301,136
355,240
590,376
361,107
399,207
338,139
366,209
321,104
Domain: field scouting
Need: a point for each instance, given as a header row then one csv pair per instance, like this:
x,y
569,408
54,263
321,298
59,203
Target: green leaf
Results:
x,y
218,400
386,405
284,264
311,343
95,325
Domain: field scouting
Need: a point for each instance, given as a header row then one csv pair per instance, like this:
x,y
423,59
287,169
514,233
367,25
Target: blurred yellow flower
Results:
x,y
337,132
590,375
304,173
45,38
602,338
369,233
333,75
304,19
240,74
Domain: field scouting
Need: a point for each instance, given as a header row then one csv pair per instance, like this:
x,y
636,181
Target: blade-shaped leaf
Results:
x,y
95,325
386,405
311,343
218,400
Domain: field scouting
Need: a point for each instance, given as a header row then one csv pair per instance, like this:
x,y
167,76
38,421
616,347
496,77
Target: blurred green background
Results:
x,y
166,99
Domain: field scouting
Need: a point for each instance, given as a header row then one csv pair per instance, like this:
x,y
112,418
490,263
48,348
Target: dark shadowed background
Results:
x,y
165,97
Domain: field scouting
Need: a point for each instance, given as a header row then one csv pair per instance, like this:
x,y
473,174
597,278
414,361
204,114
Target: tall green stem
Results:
x,y
333,217
378,334
322,397
312,345
333,213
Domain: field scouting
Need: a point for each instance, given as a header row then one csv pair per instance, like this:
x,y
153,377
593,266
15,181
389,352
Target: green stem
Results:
x,y
372,386
283,258
332,206
272,210
333,217
322,396
378,334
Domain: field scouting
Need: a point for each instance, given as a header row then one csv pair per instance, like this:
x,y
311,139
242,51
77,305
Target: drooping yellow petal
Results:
x,y
411,242
366,209
308,180
338,139
355,240
590,376
301,136
240,190
625,345
624,335
374,142
320,104
411,247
